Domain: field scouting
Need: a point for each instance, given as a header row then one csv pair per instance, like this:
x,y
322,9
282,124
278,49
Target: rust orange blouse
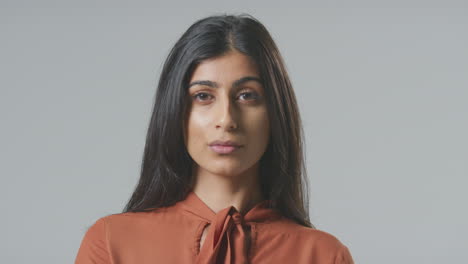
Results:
x,y
172,235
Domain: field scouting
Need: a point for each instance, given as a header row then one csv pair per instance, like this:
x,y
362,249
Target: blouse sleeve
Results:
x,y
94,246
344,256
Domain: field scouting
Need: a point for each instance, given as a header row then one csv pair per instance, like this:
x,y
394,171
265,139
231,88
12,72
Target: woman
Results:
x,y
223,176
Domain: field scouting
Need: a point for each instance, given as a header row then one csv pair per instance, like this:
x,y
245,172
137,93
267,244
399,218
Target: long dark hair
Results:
x,y
166,171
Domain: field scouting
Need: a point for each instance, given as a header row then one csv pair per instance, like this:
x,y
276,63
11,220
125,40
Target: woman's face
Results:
x,y
227,103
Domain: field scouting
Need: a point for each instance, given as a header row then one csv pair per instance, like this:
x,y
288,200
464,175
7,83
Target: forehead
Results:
x,y
228,67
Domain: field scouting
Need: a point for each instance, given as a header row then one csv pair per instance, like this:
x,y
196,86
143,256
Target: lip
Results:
x,y
225,143
224,146
224,149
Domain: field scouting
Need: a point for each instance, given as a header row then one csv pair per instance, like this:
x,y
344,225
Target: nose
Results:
x,y
228,113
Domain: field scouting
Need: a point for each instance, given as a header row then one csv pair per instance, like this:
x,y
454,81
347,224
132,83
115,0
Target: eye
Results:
x,y
249,96
202,96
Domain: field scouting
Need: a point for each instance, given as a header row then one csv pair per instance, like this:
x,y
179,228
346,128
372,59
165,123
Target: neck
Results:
x,y
218,192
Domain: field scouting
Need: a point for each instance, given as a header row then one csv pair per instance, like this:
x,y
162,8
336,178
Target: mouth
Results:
x,y
224,149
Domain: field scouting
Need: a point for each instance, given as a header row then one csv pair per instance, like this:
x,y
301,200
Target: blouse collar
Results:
x,y
260,212
227,241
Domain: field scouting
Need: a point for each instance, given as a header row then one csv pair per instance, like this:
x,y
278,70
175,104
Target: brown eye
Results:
x,y
202,96
249,96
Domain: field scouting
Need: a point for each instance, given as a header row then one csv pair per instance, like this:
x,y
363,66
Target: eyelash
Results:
x,y
255,95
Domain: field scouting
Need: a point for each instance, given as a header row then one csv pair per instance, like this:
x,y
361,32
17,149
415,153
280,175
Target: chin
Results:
x,y
225,169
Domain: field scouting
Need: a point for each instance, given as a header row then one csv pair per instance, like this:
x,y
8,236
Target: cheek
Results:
x,y
197,125
259,123
258,131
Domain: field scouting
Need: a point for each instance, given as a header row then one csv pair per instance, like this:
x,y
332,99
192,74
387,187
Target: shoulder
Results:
x,y
289,227
129,225
98,231
99,236
101,225
94,245
164,216
314,243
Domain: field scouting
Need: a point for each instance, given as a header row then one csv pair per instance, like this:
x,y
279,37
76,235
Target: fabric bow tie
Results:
x,y
226,239
230,233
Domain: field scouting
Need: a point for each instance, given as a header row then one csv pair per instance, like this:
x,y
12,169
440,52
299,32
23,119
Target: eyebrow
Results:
x,y
234,84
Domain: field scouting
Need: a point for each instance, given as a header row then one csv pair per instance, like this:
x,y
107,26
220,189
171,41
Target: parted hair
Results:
x,y
166,169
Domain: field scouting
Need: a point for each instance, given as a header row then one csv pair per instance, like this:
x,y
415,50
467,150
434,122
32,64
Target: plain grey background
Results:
x,y
382,86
